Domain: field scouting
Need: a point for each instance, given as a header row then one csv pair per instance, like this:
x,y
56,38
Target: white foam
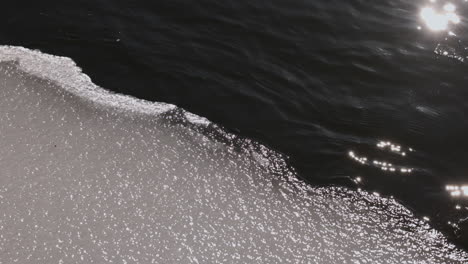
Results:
x,y
115,181
68,75
195,119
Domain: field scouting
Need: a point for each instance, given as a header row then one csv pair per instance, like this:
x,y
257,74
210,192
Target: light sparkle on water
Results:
x,y
457,191
439,20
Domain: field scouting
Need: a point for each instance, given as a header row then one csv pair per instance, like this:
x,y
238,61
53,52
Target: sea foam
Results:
x,y
89,176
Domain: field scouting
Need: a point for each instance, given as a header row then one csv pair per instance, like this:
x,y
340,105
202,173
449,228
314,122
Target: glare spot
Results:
x,y
457,191
439,21
433,20
454,18
449,7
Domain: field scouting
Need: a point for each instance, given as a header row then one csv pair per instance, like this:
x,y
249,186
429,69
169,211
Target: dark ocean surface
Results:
x,y
323,81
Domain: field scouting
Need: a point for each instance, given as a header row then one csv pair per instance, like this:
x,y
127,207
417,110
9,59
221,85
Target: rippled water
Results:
x,y
343,88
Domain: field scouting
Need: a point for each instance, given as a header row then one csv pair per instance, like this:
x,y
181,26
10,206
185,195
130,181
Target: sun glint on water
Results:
x,y
439,20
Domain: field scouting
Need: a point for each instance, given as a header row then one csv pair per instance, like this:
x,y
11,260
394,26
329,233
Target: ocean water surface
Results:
x,y
370,97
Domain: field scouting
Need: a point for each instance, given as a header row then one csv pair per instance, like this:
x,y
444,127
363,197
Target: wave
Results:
x,y
92,176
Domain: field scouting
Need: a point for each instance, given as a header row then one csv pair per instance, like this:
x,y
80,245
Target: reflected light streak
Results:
x,y
392,147
362,160
385,166
457,191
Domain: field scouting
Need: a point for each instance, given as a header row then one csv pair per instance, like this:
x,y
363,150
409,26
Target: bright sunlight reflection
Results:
x,y
457,191
439,20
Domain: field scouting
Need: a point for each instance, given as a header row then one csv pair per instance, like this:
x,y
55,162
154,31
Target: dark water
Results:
x,y
312,79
